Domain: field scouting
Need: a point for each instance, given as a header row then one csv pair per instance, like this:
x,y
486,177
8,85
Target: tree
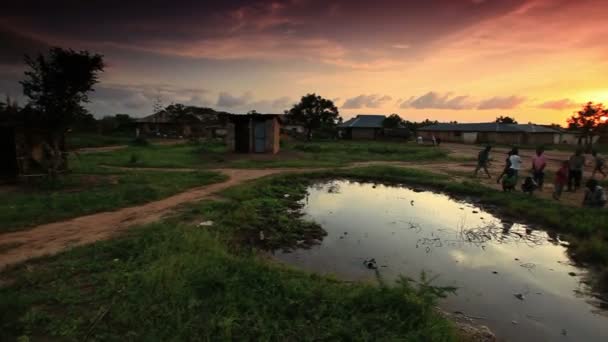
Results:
x,y
588,120
393,121
57,85
314,112
505,120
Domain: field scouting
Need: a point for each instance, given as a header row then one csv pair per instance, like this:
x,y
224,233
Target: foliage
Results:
x,y
393,121
506,120
119,123
58,84
79,194
588,120
314,112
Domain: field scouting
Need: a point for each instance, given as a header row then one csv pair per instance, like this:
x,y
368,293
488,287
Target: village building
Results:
x,y
196,122
491,133
24,151
363,126
253,133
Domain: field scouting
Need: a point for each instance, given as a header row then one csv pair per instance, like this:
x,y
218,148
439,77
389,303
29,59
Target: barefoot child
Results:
x,y
561,180
483,158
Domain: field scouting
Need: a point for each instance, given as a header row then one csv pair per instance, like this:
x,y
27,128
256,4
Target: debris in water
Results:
x,y
374,186
371,264
528,265
572,274
412,202
516,259
475,212
494,272
262,235
514,322
564,332
341,237
299,242
519,296
205,224
345,233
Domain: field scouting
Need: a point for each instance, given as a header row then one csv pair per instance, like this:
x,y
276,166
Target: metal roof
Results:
x,y
489,127
364,121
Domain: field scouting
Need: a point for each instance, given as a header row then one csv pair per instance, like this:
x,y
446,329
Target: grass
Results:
x,y
81,140
214,154
79,194
172,281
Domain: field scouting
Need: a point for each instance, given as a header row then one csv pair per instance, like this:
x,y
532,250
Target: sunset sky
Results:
x,y
464,60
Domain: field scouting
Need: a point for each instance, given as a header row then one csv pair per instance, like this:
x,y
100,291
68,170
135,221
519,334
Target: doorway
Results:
x,y
8,154
260,136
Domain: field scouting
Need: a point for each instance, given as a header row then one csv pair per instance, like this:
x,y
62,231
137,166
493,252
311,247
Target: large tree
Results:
x,y
393,121
57,85
588,120
506,120
314,112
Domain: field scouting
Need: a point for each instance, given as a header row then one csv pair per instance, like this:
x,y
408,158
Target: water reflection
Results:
x,y
506,272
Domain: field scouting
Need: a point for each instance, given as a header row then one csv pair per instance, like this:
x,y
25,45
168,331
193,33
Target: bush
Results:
x,y
140,141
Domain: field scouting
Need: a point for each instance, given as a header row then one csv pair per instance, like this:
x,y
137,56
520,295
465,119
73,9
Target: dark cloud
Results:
x,y
367,101
227,100
558,104
15,46
438,101
501,102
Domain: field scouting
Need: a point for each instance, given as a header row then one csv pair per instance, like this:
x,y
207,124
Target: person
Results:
x,y
599,164
509,180
529,185
506,168
515,161
577,164
561,179
419,140
434,140
595,196
483,158
539,162
438,141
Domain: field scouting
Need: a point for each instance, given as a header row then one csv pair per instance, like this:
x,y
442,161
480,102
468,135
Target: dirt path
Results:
x,y
54,237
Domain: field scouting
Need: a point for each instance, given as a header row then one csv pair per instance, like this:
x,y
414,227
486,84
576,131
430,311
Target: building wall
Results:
x,y
363,133
273,132
457,137
230,137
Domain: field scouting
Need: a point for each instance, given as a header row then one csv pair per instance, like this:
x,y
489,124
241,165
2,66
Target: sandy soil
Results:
x,y
54,237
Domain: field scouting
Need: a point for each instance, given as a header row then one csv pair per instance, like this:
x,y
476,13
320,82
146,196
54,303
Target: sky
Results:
x,y
462,60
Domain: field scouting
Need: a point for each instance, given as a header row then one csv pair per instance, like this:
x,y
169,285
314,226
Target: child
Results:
x,y
506,168
483,159
561,180
595,197
539,162
528,186
599,164
577,164
509,181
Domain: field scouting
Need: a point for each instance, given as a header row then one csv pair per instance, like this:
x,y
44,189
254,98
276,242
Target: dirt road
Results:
x,y
54,237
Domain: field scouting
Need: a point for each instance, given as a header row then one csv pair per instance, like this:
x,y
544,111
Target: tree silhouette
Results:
x,y
393,121
588,120
58,84
506,120
313,112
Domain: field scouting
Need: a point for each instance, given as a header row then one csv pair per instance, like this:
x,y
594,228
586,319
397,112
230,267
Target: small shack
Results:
x,y
253,133
24,151
495,133
363,126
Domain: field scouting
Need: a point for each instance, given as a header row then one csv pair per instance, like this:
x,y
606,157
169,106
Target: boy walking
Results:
x,y
539,162
483,158
561,179
577,164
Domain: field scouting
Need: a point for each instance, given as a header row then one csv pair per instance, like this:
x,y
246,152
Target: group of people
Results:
x,y
569,175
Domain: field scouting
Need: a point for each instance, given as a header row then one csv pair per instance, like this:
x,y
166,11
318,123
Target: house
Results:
x,y
194,122
290,127
253,133
495,133
25,151
363,126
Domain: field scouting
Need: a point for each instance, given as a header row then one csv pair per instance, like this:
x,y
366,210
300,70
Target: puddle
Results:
x,y
516,280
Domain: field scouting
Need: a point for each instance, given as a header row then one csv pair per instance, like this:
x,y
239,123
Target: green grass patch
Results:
x,y
175,282
79,194
82,140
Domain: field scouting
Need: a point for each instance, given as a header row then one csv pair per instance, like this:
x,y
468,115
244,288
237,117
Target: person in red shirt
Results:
x,y
561,179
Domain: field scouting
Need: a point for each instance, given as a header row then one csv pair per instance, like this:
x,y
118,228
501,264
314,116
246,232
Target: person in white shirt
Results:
x,y
515,161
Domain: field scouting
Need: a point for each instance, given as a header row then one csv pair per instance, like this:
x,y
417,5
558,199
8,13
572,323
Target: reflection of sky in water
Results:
x,y
408,232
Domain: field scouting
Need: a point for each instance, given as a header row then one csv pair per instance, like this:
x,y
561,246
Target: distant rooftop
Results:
x,y
489,127
364,121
